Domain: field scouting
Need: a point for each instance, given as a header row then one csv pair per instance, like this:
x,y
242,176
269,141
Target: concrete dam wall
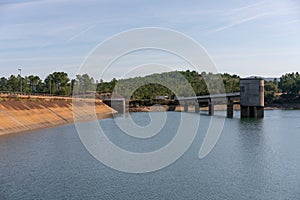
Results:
x,y
25,114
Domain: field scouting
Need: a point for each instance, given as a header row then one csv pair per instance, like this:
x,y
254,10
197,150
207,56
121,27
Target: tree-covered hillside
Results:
x,y
171,84
177,83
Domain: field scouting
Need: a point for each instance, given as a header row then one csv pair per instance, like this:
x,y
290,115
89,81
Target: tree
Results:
x,y
106,87
290,84
13,84
35,84
3,84
84,83
231,83
57,83
270,88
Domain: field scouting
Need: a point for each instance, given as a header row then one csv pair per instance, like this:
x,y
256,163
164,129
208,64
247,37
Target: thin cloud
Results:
x,y
91,26
20,4
81,32
238,22
293,21
79,58
247,7
7,2
256,11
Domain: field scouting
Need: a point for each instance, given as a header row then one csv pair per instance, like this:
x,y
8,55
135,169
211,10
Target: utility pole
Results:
x,y
71,87
50,85
20,73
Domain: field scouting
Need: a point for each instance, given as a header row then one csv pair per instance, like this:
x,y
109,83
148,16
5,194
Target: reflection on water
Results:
x,y
253,159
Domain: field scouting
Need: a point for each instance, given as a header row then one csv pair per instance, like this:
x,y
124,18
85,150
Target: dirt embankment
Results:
x,y
20,114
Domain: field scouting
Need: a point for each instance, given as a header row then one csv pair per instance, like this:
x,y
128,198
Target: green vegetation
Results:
x,y
290,87
57,83
271,88
170,84
286,90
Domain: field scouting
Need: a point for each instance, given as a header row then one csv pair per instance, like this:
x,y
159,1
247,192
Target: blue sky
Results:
x,y
241,36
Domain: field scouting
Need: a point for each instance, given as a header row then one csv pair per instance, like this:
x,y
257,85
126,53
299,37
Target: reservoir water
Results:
x,y
253,159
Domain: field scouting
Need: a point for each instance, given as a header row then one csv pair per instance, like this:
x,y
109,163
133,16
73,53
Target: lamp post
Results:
x,y
20,71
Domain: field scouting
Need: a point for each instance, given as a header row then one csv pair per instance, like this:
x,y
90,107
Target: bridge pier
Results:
x,y
252,112
211,109
186,107
229,108
197,108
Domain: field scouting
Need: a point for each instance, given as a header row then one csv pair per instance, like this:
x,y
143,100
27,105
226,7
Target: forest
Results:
x,y
285,89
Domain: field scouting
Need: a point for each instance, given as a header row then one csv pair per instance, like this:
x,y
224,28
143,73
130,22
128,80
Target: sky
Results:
x,y
241,36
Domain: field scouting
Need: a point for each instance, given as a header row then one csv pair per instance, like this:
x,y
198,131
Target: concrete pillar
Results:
x,y
197,108
186,107
252,112
259,112
211,108
229,109
244,111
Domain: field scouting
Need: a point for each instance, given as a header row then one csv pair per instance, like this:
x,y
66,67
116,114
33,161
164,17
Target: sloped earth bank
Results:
x,y
20,115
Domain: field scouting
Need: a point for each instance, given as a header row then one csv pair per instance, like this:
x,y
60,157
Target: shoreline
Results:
x,y
217,108
32,114
285,106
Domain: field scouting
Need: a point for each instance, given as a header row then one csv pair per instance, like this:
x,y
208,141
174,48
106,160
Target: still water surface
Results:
x,y
253,159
